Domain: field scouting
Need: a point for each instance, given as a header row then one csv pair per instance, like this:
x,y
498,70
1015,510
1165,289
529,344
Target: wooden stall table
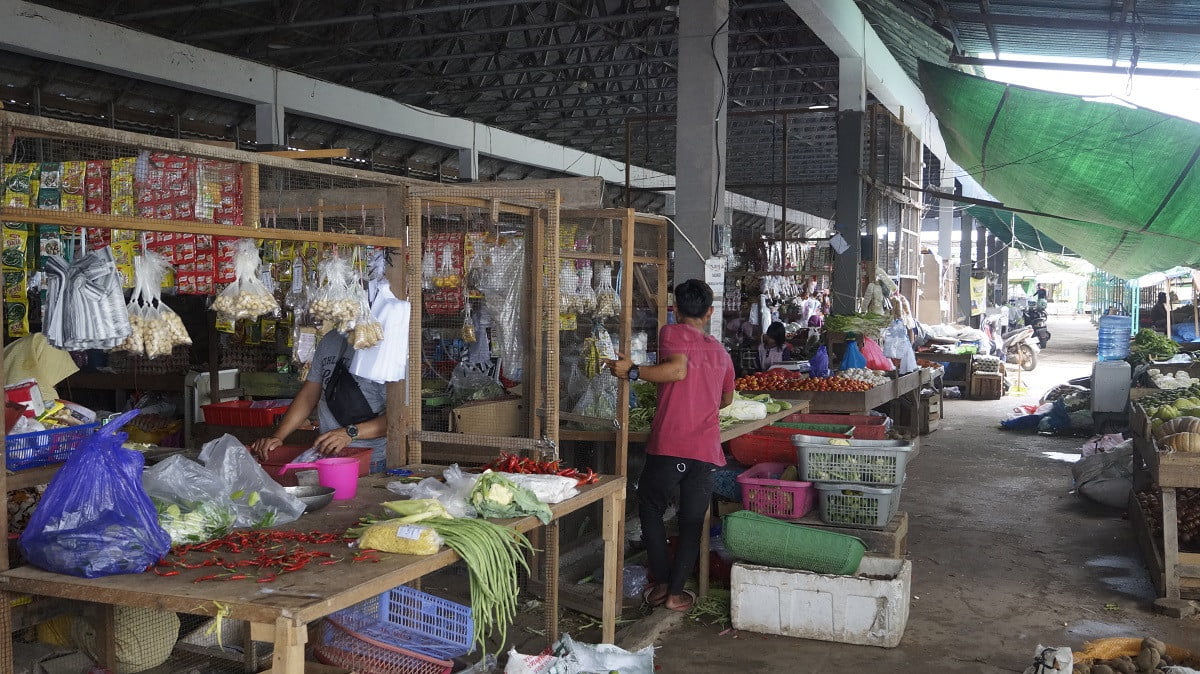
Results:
x,y
862,402
281,611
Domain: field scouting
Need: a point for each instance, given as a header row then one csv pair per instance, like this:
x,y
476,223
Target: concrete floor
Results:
x,y
1004,557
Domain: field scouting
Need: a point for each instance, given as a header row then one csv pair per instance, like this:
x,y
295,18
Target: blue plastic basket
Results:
x,y
42,448
413,620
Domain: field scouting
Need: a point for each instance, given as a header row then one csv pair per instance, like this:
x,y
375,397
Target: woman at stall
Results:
x,y
365,427
774,348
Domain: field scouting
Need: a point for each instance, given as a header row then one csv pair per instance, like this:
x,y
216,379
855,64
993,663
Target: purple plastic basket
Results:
x,y
413,620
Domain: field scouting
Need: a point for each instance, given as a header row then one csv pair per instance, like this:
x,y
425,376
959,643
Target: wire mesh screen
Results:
x,y
485,340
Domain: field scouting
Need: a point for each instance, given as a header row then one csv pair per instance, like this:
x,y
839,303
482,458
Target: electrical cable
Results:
x,y
714,244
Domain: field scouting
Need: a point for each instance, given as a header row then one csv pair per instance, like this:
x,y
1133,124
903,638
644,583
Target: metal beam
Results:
x,y
1075,67
991,32
184,8
1071,23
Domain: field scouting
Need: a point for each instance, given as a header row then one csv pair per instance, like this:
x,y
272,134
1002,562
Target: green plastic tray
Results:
x,y
840,429
765,540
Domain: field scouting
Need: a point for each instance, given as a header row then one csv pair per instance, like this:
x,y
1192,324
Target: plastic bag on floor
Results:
x,y
95,518
542,663
260,501
581,658
1101,444
1106,478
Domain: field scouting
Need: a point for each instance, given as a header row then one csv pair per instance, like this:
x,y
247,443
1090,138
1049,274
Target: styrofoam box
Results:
x,y
847,609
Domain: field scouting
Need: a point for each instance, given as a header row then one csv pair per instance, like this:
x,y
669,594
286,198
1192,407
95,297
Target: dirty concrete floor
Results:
x,y
1004,557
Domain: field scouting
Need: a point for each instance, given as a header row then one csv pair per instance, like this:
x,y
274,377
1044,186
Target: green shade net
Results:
x,y
1012,229
1121,179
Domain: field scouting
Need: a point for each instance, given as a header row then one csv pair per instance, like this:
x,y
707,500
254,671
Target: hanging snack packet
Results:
x,y
246,297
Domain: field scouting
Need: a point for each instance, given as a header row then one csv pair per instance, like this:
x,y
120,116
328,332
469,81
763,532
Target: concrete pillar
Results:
x,y
852,100
980,248
946,218
967,224
268,125
700,166
468,165
1002,270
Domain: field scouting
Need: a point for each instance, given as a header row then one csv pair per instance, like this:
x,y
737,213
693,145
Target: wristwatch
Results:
x,y
633,373
352,431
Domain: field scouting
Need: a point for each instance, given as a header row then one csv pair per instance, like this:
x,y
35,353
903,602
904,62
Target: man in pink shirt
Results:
x,y
695,379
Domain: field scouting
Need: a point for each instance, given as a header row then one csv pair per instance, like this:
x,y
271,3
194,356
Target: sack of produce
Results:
x,y
402,539
260,501
496,496
95,518
853,358
155,328
246,297
193,503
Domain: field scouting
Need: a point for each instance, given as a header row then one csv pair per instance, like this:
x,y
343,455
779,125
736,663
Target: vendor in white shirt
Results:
x,y
774,348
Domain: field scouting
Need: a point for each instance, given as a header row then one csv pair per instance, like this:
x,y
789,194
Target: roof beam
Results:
x,y
991,31
51,34
1071,23
1075,67
1128,7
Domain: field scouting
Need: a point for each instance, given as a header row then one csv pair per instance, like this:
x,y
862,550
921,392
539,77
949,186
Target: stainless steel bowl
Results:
x,y
314,498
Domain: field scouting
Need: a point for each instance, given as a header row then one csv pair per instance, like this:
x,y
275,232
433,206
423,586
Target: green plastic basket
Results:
x,y
843,430
765,540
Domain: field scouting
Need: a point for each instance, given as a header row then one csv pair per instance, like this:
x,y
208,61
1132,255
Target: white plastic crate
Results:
x,y
855,609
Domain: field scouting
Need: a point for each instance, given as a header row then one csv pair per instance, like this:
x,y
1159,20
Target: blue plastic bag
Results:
x,y
95,518
853,358
818,365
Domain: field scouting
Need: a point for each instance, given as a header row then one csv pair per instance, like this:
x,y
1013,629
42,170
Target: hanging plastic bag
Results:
x,y
608,304
818,365
853,358
336,300
260,501
388,359
155,328
246,297
504,295
193,502
95,518
875,358
897,345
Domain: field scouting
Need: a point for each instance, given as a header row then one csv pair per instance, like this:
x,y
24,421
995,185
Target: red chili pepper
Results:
x,y
266,579
238,576
329,562
201,579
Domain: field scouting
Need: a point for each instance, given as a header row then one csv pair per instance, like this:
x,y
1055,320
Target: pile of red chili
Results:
x,y
260,555
511,463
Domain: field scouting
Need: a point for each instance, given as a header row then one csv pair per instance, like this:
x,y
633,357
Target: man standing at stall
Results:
x,y
695,380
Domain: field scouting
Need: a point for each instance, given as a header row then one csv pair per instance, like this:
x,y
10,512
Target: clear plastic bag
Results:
x,y
585,297
599,399
897,345
260,501
296,297
504,292
95,518
193,502
454,494
246,297
340,297
155,329
608,303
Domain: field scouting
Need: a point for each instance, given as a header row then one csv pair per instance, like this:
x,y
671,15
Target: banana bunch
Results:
x,y
592,357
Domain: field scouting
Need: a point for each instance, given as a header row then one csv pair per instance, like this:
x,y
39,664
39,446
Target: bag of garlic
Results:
x,y
246,297
339,299
155,328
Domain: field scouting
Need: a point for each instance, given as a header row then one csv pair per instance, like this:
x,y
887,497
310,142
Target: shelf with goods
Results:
x,y
189,190
633,248
1175,573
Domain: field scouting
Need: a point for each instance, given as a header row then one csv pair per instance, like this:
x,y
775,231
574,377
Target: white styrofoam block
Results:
x,y
846,609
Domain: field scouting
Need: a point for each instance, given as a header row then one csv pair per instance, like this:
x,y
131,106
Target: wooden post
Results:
x,y
1170,536
106,641
397,275
288,657
540,315
250,208
614,514
627,240
1169,307
550,573
416,250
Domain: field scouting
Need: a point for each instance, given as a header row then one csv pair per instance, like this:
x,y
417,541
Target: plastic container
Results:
x,y
855,505
285,454
42,448
244,413
866,426
814,429
1114,336
874,462
413,620
868,609
764,493
763,446
341,647
765,540
338,473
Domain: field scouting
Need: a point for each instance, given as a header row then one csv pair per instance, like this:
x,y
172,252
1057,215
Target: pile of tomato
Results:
x,y
786,380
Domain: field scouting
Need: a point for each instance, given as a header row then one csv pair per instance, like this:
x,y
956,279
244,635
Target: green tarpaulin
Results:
x,y
1117,184
1012,229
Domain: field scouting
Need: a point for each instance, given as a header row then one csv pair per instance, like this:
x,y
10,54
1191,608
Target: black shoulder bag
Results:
x,y
344,397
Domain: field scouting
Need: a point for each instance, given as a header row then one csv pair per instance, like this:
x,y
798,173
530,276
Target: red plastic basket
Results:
x,y
866,427
341,647
769,444
764,493
242,413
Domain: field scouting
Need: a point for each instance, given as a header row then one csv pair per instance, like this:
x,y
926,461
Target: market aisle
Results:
x,y
1004,557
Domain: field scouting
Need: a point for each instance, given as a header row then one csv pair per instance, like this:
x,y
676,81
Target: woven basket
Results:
x,y
771,542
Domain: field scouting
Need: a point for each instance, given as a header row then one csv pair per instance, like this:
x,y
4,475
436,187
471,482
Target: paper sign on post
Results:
x,y
839,244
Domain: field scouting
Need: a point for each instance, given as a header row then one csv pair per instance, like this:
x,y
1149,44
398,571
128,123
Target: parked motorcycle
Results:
x,y
1035,317
1021,346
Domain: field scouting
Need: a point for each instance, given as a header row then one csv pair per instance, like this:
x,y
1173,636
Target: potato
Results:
x,y
1148,659
1123,664
1102,669
1157,645
1082,668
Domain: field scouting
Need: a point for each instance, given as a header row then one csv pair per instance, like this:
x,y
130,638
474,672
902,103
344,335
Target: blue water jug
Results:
x,y
1113,342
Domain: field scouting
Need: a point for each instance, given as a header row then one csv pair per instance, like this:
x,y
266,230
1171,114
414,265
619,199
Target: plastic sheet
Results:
x,y
259,500
504,290
95,518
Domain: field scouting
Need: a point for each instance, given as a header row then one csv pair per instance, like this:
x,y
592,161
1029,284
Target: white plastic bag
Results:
x,y
454,494
542,663
897,345
387,360
260,501
548,488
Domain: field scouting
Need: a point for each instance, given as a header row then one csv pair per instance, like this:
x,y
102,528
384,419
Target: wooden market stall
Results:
x,y
293,201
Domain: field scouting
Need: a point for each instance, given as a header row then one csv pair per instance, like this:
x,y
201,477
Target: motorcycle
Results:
x,y
1021,346
1035,317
